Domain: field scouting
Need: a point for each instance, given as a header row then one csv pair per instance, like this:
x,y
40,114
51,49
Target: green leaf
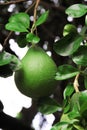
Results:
x,y
5,58
69,28
8,64
32,38
76,10
60,126
42,18
48,106
83,102
22,18
68,91
66,72
78,127
80,56
17,27
67,45
19,22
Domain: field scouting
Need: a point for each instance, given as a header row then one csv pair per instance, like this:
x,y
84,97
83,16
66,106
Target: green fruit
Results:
x,y
36,78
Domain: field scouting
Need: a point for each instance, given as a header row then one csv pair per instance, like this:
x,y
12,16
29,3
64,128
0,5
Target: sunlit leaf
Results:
x,y
76,10
42,18
32,38
67,45
21,18
66,72
19,22
17,27
69,28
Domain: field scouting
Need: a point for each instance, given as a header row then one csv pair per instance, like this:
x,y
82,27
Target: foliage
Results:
x,y
73,45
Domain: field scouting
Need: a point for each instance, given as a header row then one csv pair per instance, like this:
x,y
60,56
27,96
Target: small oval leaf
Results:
x,y
66,72
76,10
42,18
17,27
22,18
32,38
69,28
80,56
67,45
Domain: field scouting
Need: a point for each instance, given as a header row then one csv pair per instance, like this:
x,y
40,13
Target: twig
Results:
x,y
12,2
35,15
30,7
76,83
6,39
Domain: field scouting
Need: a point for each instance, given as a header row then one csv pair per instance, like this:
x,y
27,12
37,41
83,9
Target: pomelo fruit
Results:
x,y
36,77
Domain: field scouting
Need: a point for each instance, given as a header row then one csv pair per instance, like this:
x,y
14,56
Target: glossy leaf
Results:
x,y
8,64
48,106
32,38
19,22
67,45
76,10
17,27
66,72
68,91
80,56
69,28
22,18
5,58
42,18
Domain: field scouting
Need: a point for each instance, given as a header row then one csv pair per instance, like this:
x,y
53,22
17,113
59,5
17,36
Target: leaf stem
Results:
x,y
6,39
76,83
35,16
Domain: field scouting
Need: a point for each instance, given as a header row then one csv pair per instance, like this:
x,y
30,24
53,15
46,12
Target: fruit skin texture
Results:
x,y
36,77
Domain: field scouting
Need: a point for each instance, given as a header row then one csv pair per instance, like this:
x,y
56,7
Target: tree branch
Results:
x,y
12,2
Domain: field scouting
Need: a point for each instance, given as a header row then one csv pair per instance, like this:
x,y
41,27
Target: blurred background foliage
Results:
x,y
48,32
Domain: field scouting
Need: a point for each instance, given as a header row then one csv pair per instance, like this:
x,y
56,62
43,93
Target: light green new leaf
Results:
x,y
67,45
19,22
66,72
17,27
69,28
32,38
76,10
22,18
42,18
80,56
48,106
